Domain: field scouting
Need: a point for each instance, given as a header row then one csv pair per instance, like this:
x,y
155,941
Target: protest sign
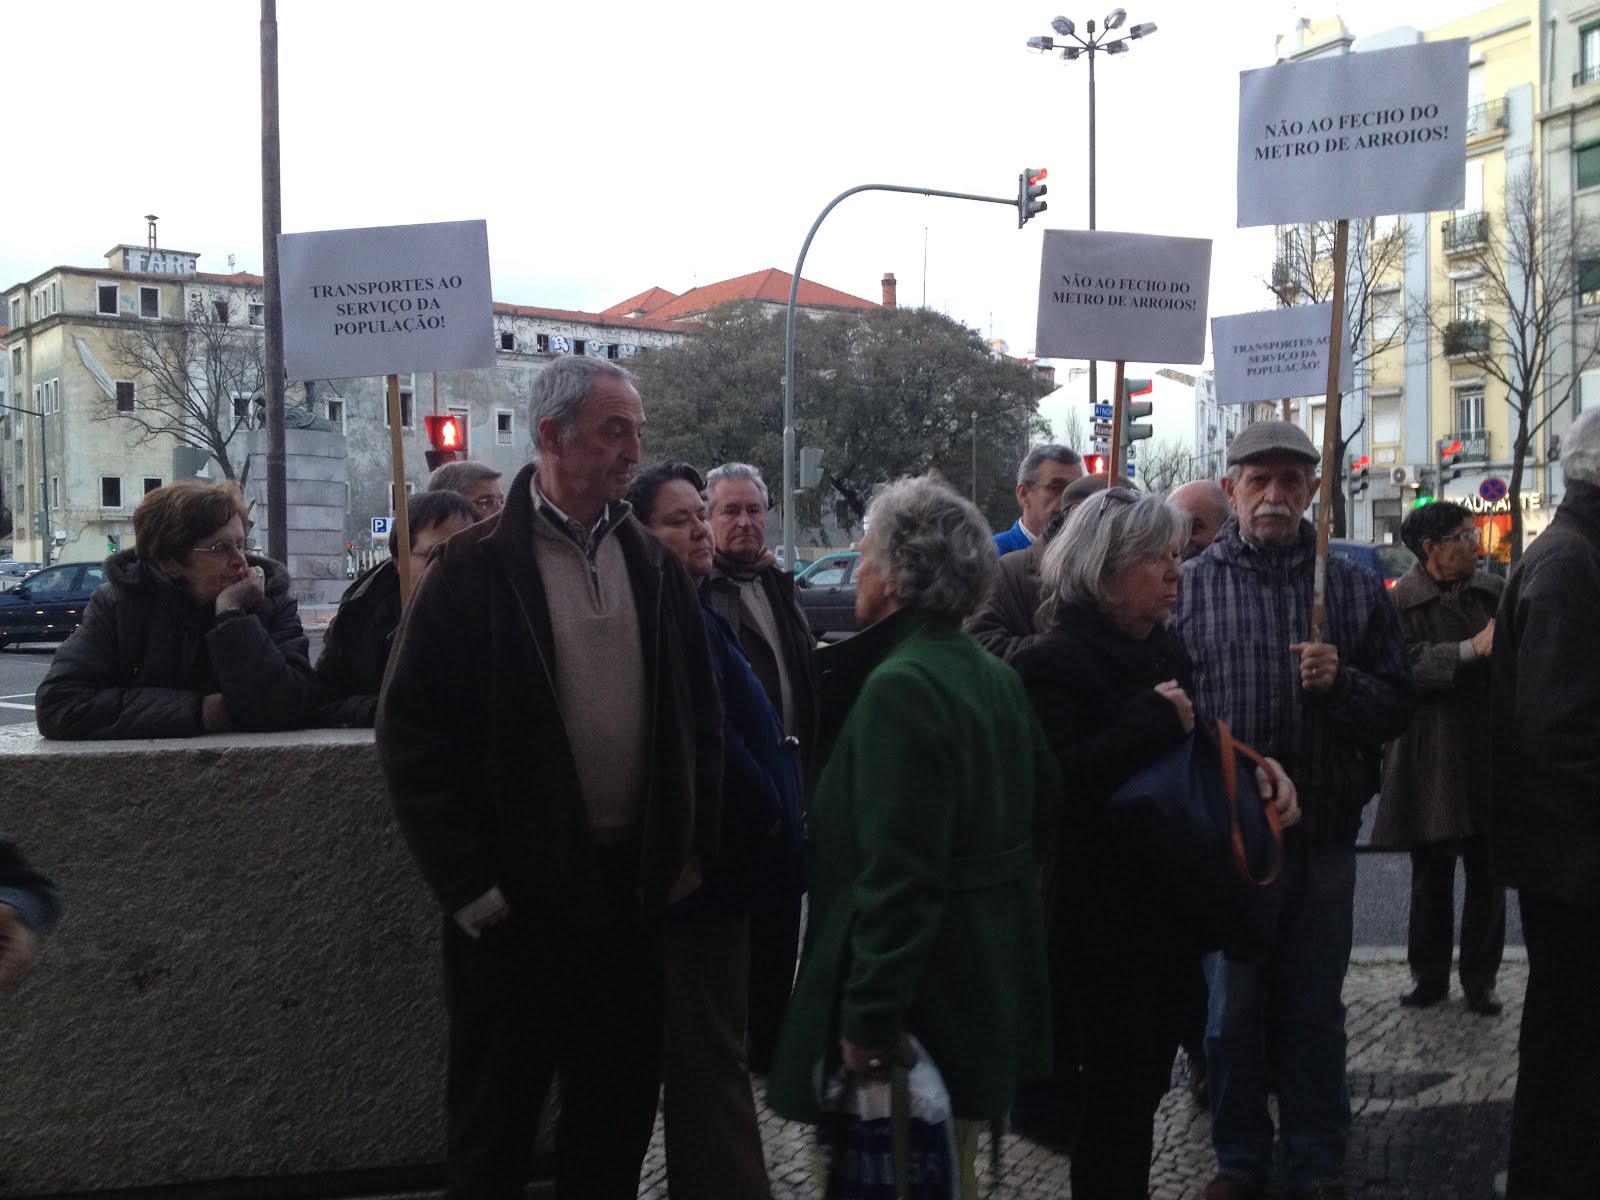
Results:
x,y
1276,354
1123,296
386,300
1354,135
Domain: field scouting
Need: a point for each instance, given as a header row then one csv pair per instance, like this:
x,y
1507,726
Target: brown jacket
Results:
x,y
1004,623
1436,774
470,735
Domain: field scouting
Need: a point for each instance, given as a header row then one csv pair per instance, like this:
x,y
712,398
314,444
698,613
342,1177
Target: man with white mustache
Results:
x,y
1324,710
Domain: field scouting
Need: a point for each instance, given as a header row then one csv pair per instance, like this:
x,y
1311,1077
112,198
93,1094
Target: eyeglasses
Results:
x,y
489,503
238,548
1461,535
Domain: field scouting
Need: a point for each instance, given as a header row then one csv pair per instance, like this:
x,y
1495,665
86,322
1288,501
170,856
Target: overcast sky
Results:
x,y
614,145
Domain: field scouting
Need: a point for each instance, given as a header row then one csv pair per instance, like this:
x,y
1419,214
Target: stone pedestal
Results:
x,y
317,495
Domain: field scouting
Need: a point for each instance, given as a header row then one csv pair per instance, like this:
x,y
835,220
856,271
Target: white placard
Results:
x,y
1276,354
1131,296
386,300
1354,135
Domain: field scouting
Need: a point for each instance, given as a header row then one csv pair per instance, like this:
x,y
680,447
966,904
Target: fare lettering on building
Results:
x,y
158,262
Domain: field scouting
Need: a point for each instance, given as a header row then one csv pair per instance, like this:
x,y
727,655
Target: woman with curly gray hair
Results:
x,y
925,916
1111,689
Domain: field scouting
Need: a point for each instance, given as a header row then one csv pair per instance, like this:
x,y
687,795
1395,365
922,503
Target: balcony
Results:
x,y
1466,232
1474,445
1282,273
1465,337
1590,74
1488,117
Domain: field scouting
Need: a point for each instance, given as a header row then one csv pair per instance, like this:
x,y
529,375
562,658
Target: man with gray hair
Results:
x,y
478,482
550,731
1323,709
1042,477
758,601
1544,829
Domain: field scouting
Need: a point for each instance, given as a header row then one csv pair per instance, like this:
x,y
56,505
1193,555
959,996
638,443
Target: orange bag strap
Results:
x,y
1231,749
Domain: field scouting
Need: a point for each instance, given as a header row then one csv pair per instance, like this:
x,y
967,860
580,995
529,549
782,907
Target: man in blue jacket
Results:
x,y
1041,480
28,908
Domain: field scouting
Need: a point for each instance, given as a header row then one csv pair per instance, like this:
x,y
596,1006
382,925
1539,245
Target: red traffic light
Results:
x,y
445,433
1094,464
1362,463
1036,176
1451,450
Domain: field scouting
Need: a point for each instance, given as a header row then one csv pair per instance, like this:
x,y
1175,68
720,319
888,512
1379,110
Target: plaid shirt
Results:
x,y
1239,609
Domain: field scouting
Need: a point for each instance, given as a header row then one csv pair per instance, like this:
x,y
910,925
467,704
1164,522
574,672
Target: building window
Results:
x,y
55,491
1587,158
110,491
464,416
336,413
149,302
16,312
47,397
151,483
407,409
1588,392
16,363
1386,419
1469,412
1588,53
258,316
125,396
508,340
541,343
503,418
411,489
219,311
580,347
1469,300
1385,316
110,299
1588,282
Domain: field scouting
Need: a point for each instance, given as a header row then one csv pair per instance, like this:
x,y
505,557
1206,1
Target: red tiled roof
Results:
x,y
771,285
645,303
238,278
608,317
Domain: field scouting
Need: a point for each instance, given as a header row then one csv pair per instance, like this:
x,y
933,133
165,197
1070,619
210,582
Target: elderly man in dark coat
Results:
x,y
1545,835
1435,799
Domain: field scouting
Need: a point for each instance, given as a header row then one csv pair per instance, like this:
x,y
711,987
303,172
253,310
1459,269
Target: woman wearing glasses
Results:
x,y
1112,692
189,634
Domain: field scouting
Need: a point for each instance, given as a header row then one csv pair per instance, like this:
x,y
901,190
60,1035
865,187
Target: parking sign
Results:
x,y
380,528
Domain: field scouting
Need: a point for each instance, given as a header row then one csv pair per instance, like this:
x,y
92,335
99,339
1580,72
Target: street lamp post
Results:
x,y
1091,43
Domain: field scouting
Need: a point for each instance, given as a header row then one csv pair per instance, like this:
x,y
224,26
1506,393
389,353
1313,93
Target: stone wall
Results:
x,y
245,984
315,470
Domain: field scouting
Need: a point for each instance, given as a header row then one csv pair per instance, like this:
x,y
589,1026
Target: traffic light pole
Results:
x,y
402,518
1114,463
788,337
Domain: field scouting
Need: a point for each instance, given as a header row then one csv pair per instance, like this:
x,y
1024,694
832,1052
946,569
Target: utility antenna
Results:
x,y
150,232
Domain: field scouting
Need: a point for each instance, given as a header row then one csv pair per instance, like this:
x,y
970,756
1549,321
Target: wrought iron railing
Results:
x,y
1465,232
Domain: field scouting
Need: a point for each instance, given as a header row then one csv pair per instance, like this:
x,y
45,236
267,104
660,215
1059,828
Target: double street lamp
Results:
x,y
1072,46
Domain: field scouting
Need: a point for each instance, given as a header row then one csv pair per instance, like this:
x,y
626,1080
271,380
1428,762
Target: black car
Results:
x,y
48,605
1388,563
827,591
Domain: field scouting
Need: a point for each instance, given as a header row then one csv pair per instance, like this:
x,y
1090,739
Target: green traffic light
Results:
x,y
1421,500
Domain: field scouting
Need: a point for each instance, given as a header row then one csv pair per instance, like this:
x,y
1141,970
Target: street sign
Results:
x,y
1100,445
1102,429
1493,489
1102,412
1131,469
380,527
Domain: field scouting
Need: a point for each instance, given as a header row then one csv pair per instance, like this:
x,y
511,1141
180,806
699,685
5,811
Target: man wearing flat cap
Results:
x,y
1324,710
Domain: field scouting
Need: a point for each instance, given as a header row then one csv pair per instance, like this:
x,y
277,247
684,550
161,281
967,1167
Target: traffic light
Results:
x,y
1094,464
1449,468
1358,473
810,466
447,439
1030,186
1132,412
1422,500
111,543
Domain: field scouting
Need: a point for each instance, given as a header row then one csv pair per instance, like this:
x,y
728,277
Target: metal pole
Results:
x,y
46,540
1094,368
402,515
271,225
788,337
974,456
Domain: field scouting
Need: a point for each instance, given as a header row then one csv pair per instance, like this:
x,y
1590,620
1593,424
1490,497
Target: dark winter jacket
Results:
x,y
25,890
355,649
759,860
1436,773
479,766
1545,827
147,655
1006,621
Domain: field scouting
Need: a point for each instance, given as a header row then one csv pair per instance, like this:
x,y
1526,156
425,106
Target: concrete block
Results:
x,y
315,516
326,493
245,983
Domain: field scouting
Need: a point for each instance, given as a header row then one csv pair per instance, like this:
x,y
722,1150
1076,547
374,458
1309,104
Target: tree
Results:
x,y
1167,464
199,381
1529,265
1375,256
883,393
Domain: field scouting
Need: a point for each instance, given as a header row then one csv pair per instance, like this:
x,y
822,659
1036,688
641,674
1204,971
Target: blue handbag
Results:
x,y
1200,820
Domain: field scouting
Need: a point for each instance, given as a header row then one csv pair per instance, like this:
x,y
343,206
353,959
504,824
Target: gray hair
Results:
x,y
1104,534
560,390
1580,448
1028,471
933,543
461,476
735,470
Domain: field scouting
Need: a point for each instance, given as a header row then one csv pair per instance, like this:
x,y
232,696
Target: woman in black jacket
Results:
x,y
189,634
1112,692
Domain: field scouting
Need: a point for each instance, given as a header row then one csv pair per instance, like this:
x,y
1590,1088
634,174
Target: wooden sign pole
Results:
x,y
402,524
1114,462
1330,445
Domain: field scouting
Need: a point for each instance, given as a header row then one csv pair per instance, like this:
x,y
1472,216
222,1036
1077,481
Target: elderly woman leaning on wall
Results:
x,y
189,634
933,797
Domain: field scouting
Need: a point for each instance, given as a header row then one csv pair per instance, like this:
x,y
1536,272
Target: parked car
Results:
x,y
48,605
13,573
1388,563
827,591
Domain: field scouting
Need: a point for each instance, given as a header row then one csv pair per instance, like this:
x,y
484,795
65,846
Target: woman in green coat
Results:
x,y
925,914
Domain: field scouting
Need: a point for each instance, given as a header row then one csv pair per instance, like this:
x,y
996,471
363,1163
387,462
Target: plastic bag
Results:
x,y
889,1134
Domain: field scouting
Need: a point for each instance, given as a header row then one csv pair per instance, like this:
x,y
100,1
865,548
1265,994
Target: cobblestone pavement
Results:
x,y
1430,1091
